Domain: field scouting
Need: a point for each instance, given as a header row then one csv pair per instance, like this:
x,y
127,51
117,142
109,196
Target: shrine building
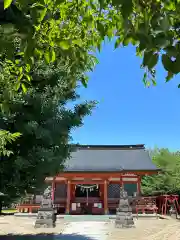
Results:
x,y
91,180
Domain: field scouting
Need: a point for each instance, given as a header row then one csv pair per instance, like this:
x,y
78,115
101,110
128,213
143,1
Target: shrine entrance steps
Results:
x,y
85,218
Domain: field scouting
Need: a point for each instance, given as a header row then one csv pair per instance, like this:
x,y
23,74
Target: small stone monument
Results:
x,y
124,218
46,215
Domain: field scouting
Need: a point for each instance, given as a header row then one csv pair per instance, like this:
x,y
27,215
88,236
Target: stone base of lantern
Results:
x,y
124,217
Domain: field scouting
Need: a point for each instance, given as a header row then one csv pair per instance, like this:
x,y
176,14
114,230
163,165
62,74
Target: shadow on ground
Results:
x,y
45,237
6,214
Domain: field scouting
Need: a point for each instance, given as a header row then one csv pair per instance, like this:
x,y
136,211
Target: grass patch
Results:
x,y
9,211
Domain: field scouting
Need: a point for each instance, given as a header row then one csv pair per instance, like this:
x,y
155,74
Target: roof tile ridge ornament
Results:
x,y
121,169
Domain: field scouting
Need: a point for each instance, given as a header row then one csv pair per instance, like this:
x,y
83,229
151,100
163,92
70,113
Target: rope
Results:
x,y
87,187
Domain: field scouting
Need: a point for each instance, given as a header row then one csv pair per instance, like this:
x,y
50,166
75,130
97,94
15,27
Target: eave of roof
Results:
x,y
113,171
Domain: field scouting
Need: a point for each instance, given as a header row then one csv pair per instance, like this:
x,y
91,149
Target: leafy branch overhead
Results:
x,y
79,27
153,27
5,138
36,30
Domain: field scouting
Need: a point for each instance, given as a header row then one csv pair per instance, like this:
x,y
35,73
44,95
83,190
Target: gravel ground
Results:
x,y
25,225
146,229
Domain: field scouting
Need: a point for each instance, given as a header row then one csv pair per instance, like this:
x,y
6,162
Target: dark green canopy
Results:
x,y
2,194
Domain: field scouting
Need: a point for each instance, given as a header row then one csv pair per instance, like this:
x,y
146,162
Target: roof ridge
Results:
x,y
105,146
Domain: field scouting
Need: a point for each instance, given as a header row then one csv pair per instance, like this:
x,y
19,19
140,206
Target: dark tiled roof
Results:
x,y
109,159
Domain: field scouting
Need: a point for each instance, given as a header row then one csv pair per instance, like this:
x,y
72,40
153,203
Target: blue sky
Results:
x,y
129,113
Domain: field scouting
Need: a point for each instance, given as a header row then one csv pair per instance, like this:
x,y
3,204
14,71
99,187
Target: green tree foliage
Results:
x,y
153,27
80,26
72,30
6,94
52,31
168,180
46,28
45,121
5,138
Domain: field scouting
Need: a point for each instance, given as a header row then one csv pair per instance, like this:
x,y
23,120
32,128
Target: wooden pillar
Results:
x,y
101,189
30,209
53,189
106,211
73,191
121,181
139,185
68,198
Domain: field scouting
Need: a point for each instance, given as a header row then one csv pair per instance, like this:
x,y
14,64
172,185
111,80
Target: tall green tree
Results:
x,y
45,122
168,180
51,31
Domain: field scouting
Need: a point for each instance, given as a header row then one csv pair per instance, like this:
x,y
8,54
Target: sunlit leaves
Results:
x,y
38,53
57,30
77,42
27,67
53,56
47,57
74,27
42,14
170,5
65,45
7,3
7,137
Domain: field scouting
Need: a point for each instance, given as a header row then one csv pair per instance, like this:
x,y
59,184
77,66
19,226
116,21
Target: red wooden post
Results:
x,y
139,185
73,191
121,181
105,198
30,209
53,190
68,199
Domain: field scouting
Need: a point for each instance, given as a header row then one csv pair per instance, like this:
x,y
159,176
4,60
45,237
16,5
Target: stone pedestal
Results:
x,y
46,215
124,218
46,218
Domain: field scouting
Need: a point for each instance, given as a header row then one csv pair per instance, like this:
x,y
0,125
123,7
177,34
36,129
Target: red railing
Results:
x,y
166,202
